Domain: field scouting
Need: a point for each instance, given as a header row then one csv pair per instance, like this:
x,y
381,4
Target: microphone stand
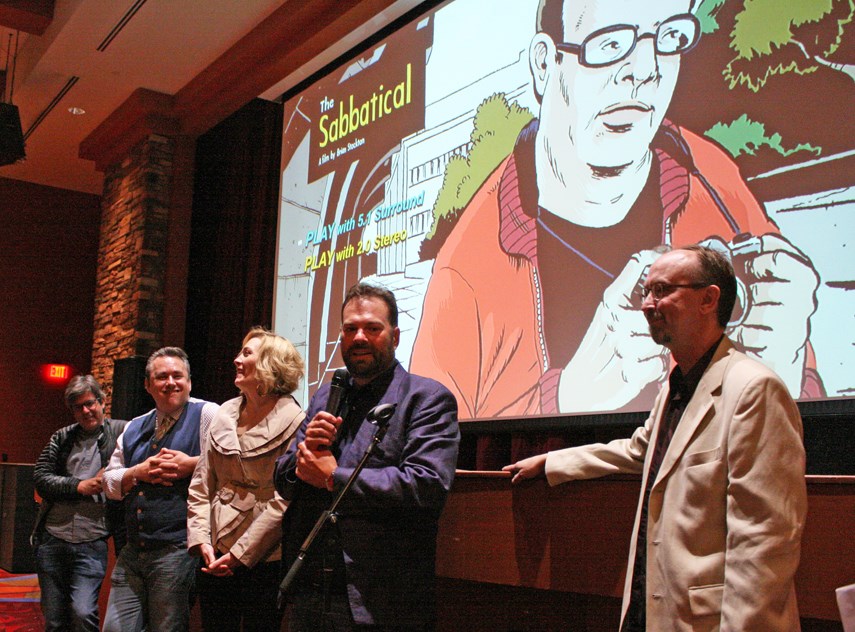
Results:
x,y
379,415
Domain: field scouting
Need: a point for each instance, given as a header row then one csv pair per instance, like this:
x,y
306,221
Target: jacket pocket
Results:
x,y
699,458
706,600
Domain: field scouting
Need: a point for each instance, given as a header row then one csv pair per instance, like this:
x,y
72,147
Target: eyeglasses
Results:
x,y
609,45
89,403
661,290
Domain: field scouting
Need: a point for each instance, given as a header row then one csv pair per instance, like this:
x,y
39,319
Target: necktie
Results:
x,y
165,426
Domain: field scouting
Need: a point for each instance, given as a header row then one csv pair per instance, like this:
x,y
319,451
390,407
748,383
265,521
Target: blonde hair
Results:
x,y
279,367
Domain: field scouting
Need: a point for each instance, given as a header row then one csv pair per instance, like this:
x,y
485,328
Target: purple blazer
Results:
x,y
388,519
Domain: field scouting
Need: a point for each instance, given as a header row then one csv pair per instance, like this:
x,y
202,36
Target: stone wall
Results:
x,y
129,300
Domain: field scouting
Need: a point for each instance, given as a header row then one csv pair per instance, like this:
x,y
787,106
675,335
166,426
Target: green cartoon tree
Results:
x,y
495,129
744,136
774,38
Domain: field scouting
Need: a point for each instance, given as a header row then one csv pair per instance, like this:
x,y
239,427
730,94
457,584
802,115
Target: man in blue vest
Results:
x,y
152,582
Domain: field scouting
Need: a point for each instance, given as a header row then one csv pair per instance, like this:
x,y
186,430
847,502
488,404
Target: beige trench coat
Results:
x,y
232,503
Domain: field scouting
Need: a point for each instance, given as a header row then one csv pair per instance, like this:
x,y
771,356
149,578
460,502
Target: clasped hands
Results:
x,y
223,566
165,467
617,357
91,486
315,462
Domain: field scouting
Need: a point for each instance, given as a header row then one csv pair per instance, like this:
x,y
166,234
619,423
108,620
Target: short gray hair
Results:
x,y
715,268
80,385
167,352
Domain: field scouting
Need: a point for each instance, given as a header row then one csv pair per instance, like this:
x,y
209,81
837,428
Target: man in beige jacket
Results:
x,y
718,528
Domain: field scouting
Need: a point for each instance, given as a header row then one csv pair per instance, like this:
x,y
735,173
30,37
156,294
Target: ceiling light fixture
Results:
x,y
76,111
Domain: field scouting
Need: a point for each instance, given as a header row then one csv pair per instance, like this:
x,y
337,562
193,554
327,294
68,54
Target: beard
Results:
x,y
368,366
660,337
656,325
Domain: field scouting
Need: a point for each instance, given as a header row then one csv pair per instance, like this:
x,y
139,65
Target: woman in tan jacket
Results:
x,y
234,514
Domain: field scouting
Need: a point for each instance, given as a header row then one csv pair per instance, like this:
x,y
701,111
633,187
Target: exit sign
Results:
x,y
56,373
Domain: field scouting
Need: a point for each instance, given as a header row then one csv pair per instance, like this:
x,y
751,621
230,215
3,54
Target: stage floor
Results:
x,y
19,603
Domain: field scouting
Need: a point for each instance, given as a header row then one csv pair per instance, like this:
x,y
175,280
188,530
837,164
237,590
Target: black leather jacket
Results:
x,y
54,484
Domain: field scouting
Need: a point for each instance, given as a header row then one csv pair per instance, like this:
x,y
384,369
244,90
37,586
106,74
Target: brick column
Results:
x,y
129,300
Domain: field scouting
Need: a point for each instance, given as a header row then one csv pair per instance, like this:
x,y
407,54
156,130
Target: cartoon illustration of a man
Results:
x,y
533,306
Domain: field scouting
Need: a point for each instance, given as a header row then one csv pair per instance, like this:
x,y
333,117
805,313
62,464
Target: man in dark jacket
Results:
x,y
74,520
375,568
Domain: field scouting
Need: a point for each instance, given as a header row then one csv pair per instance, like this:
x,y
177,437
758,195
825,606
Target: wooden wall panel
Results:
x,y
574,538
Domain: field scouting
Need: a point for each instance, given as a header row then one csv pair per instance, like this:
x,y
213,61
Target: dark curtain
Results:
x,y
233,242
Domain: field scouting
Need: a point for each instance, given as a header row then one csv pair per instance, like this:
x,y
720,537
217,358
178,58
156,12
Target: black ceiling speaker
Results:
x,y
11,136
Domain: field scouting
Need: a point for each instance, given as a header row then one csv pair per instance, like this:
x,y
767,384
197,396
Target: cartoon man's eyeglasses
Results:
x,y
675,36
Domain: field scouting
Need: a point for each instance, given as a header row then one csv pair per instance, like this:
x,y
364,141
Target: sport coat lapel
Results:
x,y
698,407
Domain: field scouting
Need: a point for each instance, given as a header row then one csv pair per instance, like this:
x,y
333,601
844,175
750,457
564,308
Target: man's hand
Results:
x,y
149,471
532,467
314,466
175,465
781,284
617,357
91,486
321,431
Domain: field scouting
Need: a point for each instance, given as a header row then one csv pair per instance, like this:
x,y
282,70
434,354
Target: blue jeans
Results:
x,y
70,577
151,589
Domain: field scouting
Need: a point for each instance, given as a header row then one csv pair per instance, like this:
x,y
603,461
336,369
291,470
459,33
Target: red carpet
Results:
x,y
19,603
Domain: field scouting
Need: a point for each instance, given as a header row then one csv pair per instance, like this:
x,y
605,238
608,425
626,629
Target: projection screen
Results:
x,y
510,178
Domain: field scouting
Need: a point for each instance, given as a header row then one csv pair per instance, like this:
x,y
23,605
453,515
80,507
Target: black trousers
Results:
x,y
308,612
245,601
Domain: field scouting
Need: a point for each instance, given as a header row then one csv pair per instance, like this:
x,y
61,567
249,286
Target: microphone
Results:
x,y
380,415
338,387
